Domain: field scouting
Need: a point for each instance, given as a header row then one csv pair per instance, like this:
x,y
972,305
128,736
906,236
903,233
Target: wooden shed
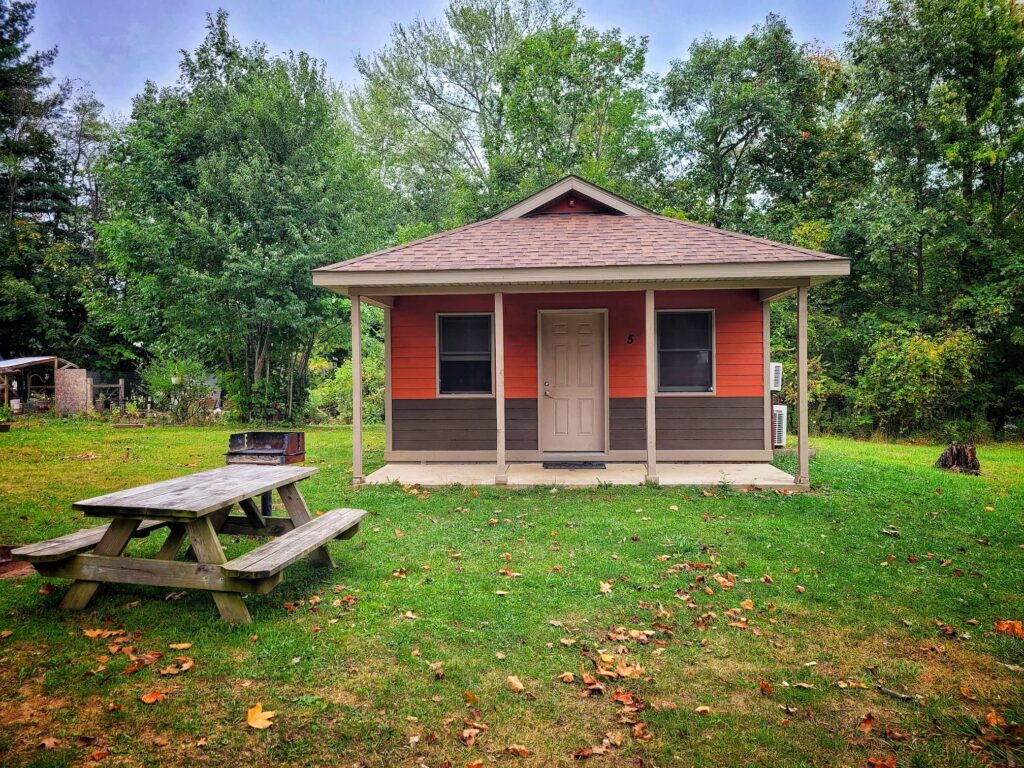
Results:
x,y
577,326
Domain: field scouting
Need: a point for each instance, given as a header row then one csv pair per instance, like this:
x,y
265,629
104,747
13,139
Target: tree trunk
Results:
x,y
960,457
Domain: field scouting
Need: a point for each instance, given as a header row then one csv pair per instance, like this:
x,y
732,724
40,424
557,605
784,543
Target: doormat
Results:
x,y
574,465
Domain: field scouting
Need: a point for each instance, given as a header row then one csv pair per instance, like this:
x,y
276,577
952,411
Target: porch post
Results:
x,y
501,470
652,386
387,380
803,463
357,392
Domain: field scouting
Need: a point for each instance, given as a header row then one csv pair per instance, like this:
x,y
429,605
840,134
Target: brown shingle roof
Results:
x,y
577,240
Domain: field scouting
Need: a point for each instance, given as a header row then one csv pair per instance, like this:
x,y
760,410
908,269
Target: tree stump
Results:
x,y
960,457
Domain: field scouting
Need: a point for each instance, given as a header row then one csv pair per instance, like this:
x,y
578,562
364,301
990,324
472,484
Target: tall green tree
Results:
x,y
222,192
498,97
32,188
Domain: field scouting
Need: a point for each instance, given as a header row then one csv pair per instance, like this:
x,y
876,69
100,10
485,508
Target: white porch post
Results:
x,y
357,392
652,386
501,469
803,462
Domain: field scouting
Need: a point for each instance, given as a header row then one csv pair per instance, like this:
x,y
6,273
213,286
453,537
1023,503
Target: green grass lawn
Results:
x,y
836,608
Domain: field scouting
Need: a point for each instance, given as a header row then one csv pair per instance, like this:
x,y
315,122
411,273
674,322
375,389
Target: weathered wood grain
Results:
x,y
208,551
75,543
274,556
114,540
158,573
192,496
299,513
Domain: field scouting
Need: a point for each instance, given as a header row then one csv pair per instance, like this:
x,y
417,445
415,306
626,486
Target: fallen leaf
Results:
x,y
766,688
567,677
867,723
471,698
702,710
880,762
966,693
747,605
49,743
1011,628
100,754
606,587
517,749
257,718
640,732
180,646
515,684
152,697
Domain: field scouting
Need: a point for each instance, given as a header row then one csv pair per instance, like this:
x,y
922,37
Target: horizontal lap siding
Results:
x,y
739,361
413,340
444,424
731,419
709,423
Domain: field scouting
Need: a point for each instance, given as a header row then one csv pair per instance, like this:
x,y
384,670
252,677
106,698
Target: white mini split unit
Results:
x,y
780,414
775,369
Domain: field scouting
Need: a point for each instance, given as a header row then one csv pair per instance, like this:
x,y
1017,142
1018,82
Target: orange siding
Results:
x,y
625,317
413,340
738,336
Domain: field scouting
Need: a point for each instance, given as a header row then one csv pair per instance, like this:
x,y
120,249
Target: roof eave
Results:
x,y
815,272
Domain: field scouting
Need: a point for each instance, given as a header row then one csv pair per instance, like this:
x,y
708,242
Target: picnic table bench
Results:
x,y
196,507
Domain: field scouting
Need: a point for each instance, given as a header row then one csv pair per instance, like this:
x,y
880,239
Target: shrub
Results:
x,y
177,385
333,397
913,382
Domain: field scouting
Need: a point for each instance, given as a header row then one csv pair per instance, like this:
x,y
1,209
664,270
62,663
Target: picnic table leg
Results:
x,y
171,545
207,549
299,513
118,534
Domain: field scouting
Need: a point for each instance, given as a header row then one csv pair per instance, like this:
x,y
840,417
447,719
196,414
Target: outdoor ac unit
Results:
x,y
776,376
779,416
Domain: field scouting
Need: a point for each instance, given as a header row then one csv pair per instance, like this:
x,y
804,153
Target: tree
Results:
x,y
744,112
222,192
575,100
31,185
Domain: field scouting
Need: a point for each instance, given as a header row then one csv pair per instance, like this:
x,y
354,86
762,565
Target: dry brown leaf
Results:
x,y
640,732
49,743
100,754
515,684
606,587
471,698
702,710
747,605
867,723
180,646
766,688
567,677
966,693
152,697
882,762
517,749
1011,628
257,718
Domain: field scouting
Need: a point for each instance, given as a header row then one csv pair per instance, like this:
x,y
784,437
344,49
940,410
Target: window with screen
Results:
x,y
685,352
464,354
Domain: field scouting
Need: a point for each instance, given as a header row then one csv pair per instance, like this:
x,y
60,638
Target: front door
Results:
x,y
572,378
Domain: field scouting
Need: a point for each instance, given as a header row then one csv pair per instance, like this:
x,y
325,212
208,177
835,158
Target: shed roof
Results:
x,y
17,363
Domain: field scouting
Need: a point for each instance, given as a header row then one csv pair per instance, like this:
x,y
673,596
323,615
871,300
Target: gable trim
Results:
x,y
572,184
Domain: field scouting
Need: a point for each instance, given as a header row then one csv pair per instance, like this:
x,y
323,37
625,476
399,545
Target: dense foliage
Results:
x,y
903,152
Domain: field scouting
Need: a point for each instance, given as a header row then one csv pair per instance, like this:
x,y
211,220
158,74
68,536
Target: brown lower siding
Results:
x,y
444,424
462,424
689,423
709,423
684,423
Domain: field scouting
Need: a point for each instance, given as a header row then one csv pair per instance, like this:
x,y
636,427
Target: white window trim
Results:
x,y
659,392
437,356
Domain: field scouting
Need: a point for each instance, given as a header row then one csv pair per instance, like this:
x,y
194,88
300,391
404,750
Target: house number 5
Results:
x,y
630,339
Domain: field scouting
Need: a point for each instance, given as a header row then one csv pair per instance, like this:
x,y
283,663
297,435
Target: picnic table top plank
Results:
x,y
196,495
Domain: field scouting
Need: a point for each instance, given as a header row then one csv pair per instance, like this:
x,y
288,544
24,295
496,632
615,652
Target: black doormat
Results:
x,y
574,465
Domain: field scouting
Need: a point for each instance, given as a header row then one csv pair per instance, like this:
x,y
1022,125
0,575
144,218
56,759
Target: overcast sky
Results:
x,y
116,45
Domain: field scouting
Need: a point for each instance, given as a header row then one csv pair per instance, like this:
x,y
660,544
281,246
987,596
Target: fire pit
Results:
x,y
270,448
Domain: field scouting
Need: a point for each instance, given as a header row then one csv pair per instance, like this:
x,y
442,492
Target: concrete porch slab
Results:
x,y
747,475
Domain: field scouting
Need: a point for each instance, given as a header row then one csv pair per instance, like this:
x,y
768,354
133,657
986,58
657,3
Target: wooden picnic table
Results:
x,y
196,507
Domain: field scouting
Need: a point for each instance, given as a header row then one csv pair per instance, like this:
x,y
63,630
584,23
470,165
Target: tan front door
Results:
x,y
572,403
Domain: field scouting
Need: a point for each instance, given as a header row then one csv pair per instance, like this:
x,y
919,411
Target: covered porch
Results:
x,y
749,475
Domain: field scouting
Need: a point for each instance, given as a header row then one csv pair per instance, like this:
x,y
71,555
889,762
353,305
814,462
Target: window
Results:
x,y
464,354
685,352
